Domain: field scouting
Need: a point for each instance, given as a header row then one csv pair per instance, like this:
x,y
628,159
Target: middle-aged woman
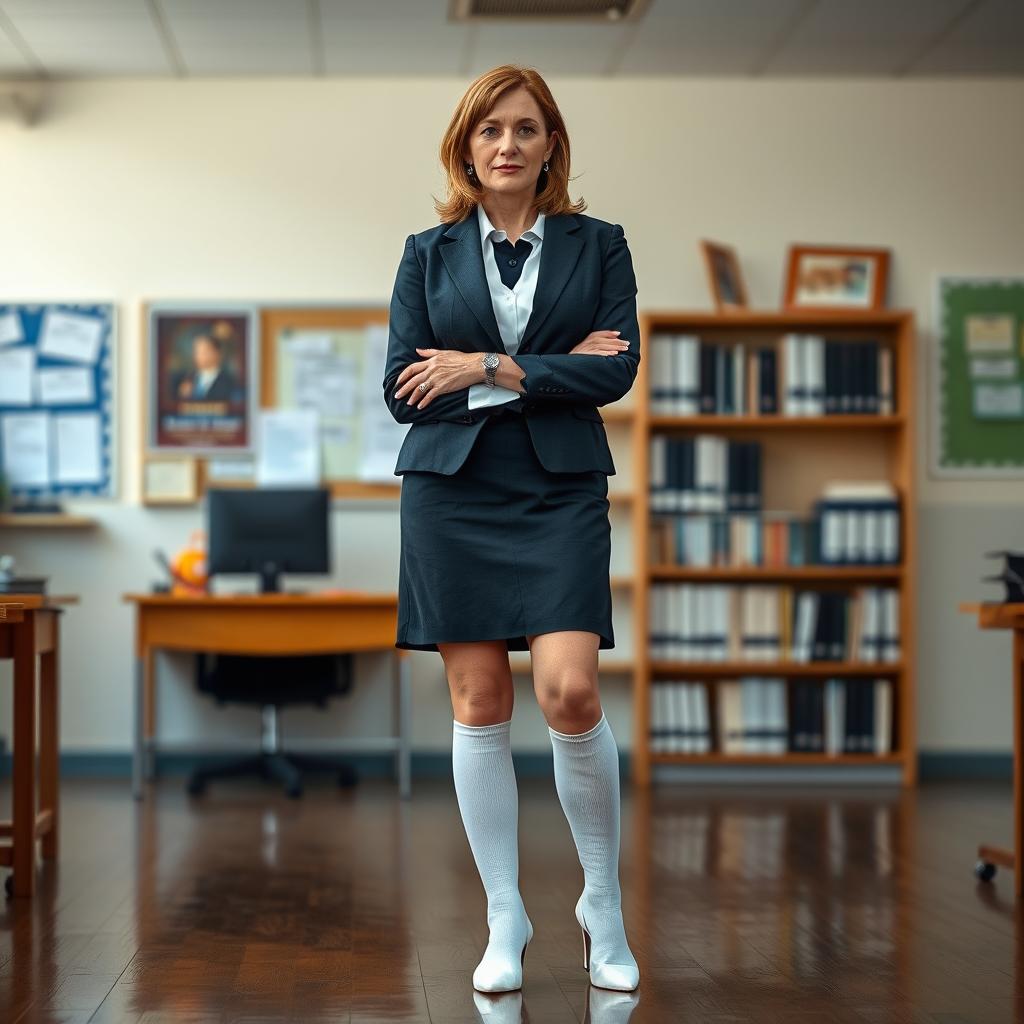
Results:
x,y
510,322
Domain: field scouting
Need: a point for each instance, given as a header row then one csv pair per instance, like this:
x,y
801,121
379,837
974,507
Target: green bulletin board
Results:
x,y
980,377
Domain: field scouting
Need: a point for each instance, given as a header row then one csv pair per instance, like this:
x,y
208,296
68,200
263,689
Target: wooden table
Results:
x,y
1008,616
29,628
268,624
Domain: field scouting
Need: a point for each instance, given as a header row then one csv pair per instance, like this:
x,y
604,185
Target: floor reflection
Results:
x,y
602,1007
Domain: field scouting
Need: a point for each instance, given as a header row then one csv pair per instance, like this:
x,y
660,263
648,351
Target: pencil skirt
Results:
x,y
503,548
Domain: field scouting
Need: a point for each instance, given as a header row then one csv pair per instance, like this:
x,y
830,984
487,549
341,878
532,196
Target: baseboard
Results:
x,y
932,766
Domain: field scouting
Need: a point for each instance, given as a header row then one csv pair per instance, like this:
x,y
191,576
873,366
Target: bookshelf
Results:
x,y
799,454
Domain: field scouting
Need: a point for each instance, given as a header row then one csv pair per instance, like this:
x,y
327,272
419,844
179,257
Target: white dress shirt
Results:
x,y
512,306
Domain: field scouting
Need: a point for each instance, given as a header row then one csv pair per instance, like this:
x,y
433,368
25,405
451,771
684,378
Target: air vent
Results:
x,y
548,10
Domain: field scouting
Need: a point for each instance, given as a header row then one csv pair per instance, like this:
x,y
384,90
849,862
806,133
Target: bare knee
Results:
x,y
570,700
480,683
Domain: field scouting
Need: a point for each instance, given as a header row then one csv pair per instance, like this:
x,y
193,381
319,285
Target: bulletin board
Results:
x,y
57,400
979,377
329,359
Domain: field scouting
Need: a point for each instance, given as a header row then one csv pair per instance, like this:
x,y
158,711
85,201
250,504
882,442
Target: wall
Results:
x,y
294,190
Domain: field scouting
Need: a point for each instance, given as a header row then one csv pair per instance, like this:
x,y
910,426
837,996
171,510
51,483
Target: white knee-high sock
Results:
x,y
587,782
485,785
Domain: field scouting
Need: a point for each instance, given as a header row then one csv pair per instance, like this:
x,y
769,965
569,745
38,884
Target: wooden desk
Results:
x,y
29,628
1008,616
267,624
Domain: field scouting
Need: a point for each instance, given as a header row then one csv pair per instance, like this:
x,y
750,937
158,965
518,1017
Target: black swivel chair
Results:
x,y
273,682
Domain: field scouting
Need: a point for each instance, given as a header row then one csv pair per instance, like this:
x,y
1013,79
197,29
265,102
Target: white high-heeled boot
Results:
x,y
587,780
485,785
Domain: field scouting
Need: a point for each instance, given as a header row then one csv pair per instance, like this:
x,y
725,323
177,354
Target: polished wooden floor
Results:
x,y
773,905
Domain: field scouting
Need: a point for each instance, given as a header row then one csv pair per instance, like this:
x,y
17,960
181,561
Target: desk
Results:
x,y
1009,616
348,622
29,629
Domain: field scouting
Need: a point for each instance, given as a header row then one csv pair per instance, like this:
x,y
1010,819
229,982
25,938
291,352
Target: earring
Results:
x,y
545,165
469,170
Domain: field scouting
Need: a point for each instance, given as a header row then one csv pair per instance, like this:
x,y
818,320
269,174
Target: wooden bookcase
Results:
x,y
806,452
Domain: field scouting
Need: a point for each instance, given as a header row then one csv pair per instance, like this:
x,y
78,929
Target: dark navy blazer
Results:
x,y
441,300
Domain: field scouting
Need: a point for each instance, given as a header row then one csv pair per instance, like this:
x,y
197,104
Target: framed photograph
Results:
x,y
724,277
835,277
201,378
977,371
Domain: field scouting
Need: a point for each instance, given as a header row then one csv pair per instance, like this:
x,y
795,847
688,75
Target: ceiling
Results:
x,y
57,39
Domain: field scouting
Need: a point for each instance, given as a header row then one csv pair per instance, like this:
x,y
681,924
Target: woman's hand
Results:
x,y
446,369
601,343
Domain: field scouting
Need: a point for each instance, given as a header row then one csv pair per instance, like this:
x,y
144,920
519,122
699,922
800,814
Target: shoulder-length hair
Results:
x,y
464,192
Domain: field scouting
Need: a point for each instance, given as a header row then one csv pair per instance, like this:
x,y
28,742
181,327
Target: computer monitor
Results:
x,y
268,531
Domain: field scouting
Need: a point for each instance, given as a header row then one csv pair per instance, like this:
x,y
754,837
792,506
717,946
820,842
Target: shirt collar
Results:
x,y
489,231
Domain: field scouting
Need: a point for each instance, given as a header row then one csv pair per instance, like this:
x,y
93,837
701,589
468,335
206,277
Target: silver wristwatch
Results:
x,y
491,363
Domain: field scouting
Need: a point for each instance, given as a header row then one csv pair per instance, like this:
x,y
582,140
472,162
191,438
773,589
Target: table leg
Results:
x,y
1018,761
404,753
149,714
24,740
49,739
138,752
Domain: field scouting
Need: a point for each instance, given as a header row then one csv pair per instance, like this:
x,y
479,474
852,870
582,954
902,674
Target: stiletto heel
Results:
x,y
619,977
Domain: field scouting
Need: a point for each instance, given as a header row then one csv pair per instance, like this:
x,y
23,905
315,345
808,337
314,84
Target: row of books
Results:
x,y
811,376
734,623
757,716
855,524
704,473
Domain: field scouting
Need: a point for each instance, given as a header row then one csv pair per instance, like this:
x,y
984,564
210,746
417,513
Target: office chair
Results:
x,y
274,682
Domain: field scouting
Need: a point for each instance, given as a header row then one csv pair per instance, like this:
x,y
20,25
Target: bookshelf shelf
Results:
x,y
812,669
763,759
778,574
801,455
46,521
714,422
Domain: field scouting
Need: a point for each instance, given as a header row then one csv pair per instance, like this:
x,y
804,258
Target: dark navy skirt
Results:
x,y
503,548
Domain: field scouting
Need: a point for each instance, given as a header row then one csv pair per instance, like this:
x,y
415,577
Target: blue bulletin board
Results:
x,y
57,400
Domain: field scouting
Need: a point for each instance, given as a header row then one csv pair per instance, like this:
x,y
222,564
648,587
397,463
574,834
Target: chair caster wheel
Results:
x,y
985,871
294,791
196,787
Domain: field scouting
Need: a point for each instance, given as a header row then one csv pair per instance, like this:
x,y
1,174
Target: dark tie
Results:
x,y
510,259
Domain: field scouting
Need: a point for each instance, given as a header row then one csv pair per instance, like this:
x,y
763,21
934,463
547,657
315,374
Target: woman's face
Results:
x,y
511,134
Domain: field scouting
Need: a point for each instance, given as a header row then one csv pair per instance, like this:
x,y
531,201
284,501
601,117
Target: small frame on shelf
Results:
x,y
837,277
725,278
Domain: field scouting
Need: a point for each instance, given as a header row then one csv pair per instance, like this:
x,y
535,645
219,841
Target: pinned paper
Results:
x,y
71,336
989,333
10,328
289,448
26,448
79,451
58,385
16,366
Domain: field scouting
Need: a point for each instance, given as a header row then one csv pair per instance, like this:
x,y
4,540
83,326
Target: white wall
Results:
x,y
293,190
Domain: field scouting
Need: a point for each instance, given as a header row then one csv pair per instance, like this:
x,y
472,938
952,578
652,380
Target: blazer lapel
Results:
x,y
463,256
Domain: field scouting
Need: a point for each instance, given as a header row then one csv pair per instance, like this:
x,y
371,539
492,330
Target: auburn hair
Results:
x,y
464,192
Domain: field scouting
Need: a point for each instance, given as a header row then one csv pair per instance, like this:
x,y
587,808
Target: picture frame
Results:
x,y
837,277
201,377
169,480
968,356
725,278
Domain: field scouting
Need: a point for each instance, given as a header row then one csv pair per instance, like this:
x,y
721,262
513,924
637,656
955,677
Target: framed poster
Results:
x,y
978,377
201,377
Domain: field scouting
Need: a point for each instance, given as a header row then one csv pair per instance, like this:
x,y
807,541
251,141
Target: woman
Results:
x,y
504,511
